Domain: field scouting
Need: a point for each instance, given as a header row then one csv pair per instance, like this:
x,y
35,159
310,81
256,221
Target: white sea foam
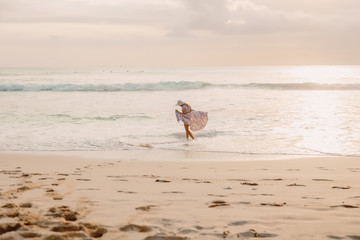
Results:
x,y
99,118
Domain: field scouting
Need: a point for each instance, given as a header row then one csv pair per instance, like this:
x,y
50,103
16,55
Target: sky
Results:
x,y
72,33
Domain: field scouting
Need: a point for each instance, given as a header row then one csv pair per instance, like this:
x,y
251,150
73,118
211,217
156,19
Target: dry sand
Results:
x,y
52,197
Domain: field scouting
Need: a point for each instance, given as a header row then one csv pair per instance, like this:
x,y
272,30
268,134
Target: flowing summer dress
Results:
x,y
196,119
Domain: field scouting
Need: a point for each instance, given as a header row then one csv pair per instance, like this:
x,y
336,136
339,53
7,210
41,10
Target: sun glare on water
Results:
x,y
320,123
323,74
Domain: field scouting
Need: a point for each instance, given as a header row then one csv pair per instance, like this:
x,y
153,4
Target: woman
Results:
x,y
196,120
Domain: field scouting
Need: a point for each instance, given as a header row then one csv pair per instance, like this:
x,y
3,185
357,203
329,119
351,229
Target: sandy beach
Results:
x,y
179,120
54,197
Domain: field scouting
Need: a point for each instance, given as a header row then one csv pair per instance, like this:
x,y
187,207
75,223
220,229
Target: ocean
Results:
x,y
253,110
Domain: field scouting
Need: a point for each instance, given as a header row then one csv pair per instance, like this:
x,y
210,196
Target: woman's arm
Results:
x,y
178,115
186,109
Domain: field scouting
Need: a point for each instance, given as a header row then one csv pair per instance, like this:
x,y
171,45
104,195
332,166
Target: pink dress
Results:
x,y
196,119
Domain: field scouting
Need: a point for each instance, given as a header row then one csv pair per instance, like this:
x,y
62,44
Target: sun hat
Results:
x,y
180,103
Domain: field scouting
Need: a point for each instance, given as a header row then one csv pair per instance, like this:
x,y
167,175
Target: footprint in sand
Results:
x,y
136,228
355,197
237,179
273,179
146,208
191,179
23,188
337,187
26,205
253,233
322,180
83,179
129,192
82,230
94,230
203,181
12,213
43,178
66,227
26,175
315,198
118,178
238,223
162,181
243,203
325,169
218,203
334,237
63,212
345,206
295,185
249,184
9,205
216,195
89,189
9,227
273,204
203,228
27,234
173,192
160,237
63,174
354,237
186,231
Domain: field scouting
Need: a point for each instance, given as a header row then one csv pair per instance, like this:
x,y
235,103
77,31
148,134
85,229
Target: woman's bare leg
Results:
x,y
188,133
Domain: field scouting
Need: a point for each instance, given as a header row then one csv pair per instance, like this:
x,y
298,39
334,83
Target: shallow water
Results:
x,y
285,110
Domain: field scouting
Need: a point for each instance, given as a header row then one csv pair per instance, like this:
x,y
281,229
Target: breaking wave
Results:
x,y
304,86
171,86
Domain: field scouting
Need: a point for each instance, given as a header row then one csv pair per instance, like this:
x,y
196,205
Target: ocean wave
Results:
x,y
304,86
172,86
159,86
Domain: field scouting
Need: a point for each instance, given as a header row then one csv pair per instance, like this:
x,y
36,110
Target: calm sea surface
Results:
x,y
284,110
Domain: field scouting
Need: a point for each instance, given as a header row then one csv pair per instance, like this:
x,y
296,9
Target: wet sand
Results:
x,y
53,197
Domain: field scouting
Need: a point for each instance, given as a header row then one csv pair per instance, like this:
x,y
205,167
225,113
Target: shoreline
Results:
x,y
67,197
168,155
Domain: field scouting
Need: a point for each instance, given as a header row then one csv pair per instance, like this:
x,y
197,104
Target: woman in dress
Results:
x,y
196,120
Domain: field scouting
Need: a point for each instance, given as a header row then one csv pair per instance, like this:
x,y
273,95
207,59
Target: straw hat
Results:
x,y
180,103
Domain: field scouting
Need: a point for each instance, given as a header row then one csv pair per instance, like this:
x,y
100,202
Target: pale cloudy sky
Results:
x,y
178,32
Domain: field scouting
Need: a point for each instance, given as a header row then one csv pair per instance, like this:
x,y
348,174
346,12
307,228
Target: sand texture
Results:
x,y
55,198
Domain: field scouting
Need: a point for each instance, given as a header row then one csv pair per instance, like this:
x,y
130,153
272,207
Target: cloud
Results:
x,y
270,17
184,18
195,29
85,11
